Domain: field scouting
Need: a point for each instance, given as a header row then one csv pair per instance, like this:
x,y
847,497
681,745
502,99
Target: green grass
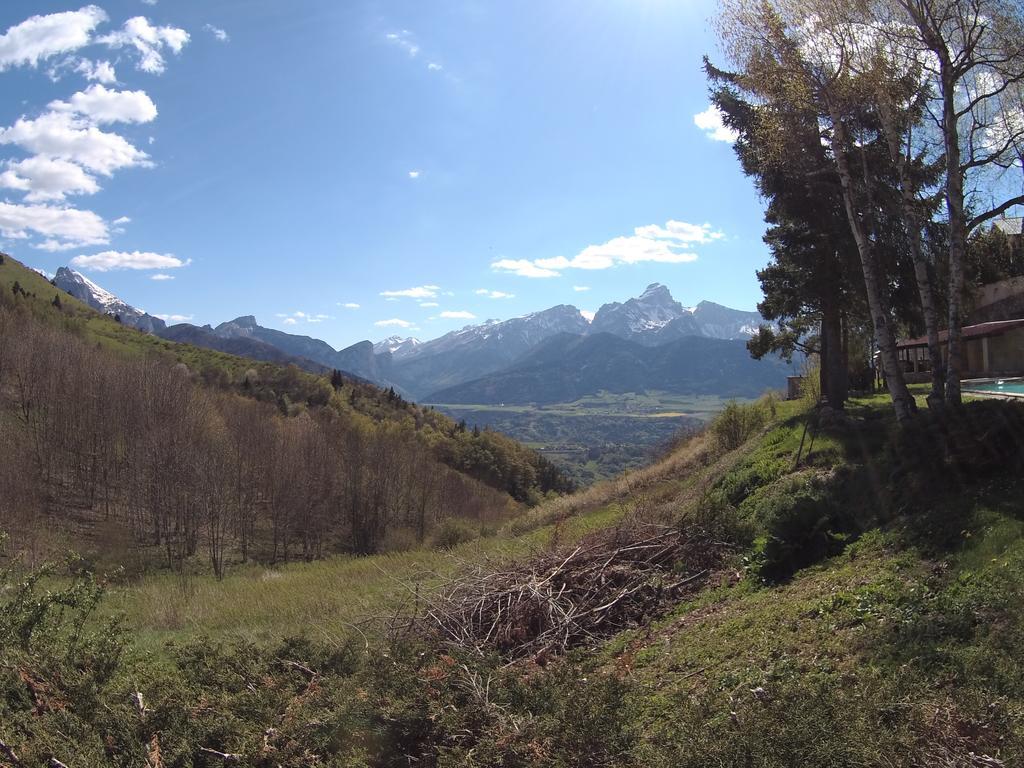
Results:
x,y
337,597
884,624
903,648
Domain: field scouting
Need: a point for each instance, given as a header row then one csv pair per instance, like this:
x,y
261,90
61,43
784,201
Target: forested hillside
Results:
x,y
202,454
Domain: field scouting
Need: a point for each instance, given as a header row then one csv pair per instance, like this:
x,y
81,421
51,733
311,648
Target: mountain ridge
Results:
x,y
566,368
421,369
82,288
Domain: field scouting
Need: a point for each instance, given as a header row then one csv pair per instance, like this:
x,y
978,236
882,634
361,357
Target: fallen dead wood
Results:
x,y
7,752
613,581
227,757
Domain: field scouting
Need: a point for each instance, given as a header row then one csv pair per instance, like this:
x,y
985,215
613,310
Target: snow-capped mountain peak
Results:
x,y
397,346
99,298
653,309
656,292
102,300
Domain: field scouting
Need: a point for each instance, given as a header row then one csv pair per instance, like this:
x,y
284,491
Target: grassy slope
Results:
x,y
903,649
331,598
886,650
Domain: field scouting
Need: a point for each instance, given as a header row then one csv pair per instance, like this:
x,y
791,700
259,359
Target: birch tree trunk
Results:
x,y
957,230
902,401
913,225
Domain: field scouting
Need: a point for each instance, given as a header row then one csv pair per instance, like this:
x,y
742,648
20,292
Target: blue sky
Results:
x,y
289,159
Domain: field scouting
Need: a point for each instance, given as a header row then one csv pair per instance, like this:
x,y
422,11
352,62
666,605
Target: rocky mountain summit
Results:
x,y
102,300
397,346
655,318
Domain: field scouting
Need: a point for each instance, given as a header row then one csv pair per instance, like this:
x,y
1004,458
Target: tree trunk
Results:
x,y
834,381
957,230
913,225
902,401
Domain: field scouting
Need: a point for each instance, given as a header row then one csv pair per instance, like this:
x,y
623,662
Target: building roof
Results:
x,y
978,331
1012,225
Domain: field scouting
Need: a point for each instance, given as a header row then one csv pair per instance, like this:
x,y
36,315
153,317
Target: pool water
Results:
x,y
1008,387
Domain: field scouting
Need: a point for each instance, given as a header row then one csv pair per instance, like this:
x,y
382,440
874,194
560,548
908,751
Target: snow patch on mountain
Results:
x,y
396,346
102,300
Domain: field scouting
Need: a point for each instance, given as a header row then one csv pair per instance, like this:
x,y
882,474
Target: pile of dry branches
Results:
x,y
613,580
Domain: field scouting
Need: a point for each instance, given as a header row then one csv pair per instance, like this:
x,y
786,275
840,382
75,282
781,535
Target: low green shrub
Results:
x,y
798,523
747,478
571,716
452,532
737,423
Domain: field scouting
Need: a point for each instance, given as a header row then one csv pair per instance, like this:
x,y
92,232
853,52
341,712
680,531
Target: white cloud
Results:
x,y
459,315
161,276
100,71
652,243
40,37
45,178
349,305
291,318
174,317
414,174
429,304
62,135
681,231
67,143
494,294
149,2
110,260
588,315
101,105
523,268
394,323
149,42
419,292
217,32
581,288
404,40
712,123
63,228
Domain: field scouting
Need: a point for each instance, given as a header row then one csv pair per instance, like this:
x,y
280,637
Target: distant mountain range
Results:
x,y
565,368
647,342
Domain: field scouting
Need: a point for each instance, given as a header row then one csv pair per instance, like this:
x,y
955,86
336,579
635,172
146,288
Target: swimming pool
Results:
x,y
1012,387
